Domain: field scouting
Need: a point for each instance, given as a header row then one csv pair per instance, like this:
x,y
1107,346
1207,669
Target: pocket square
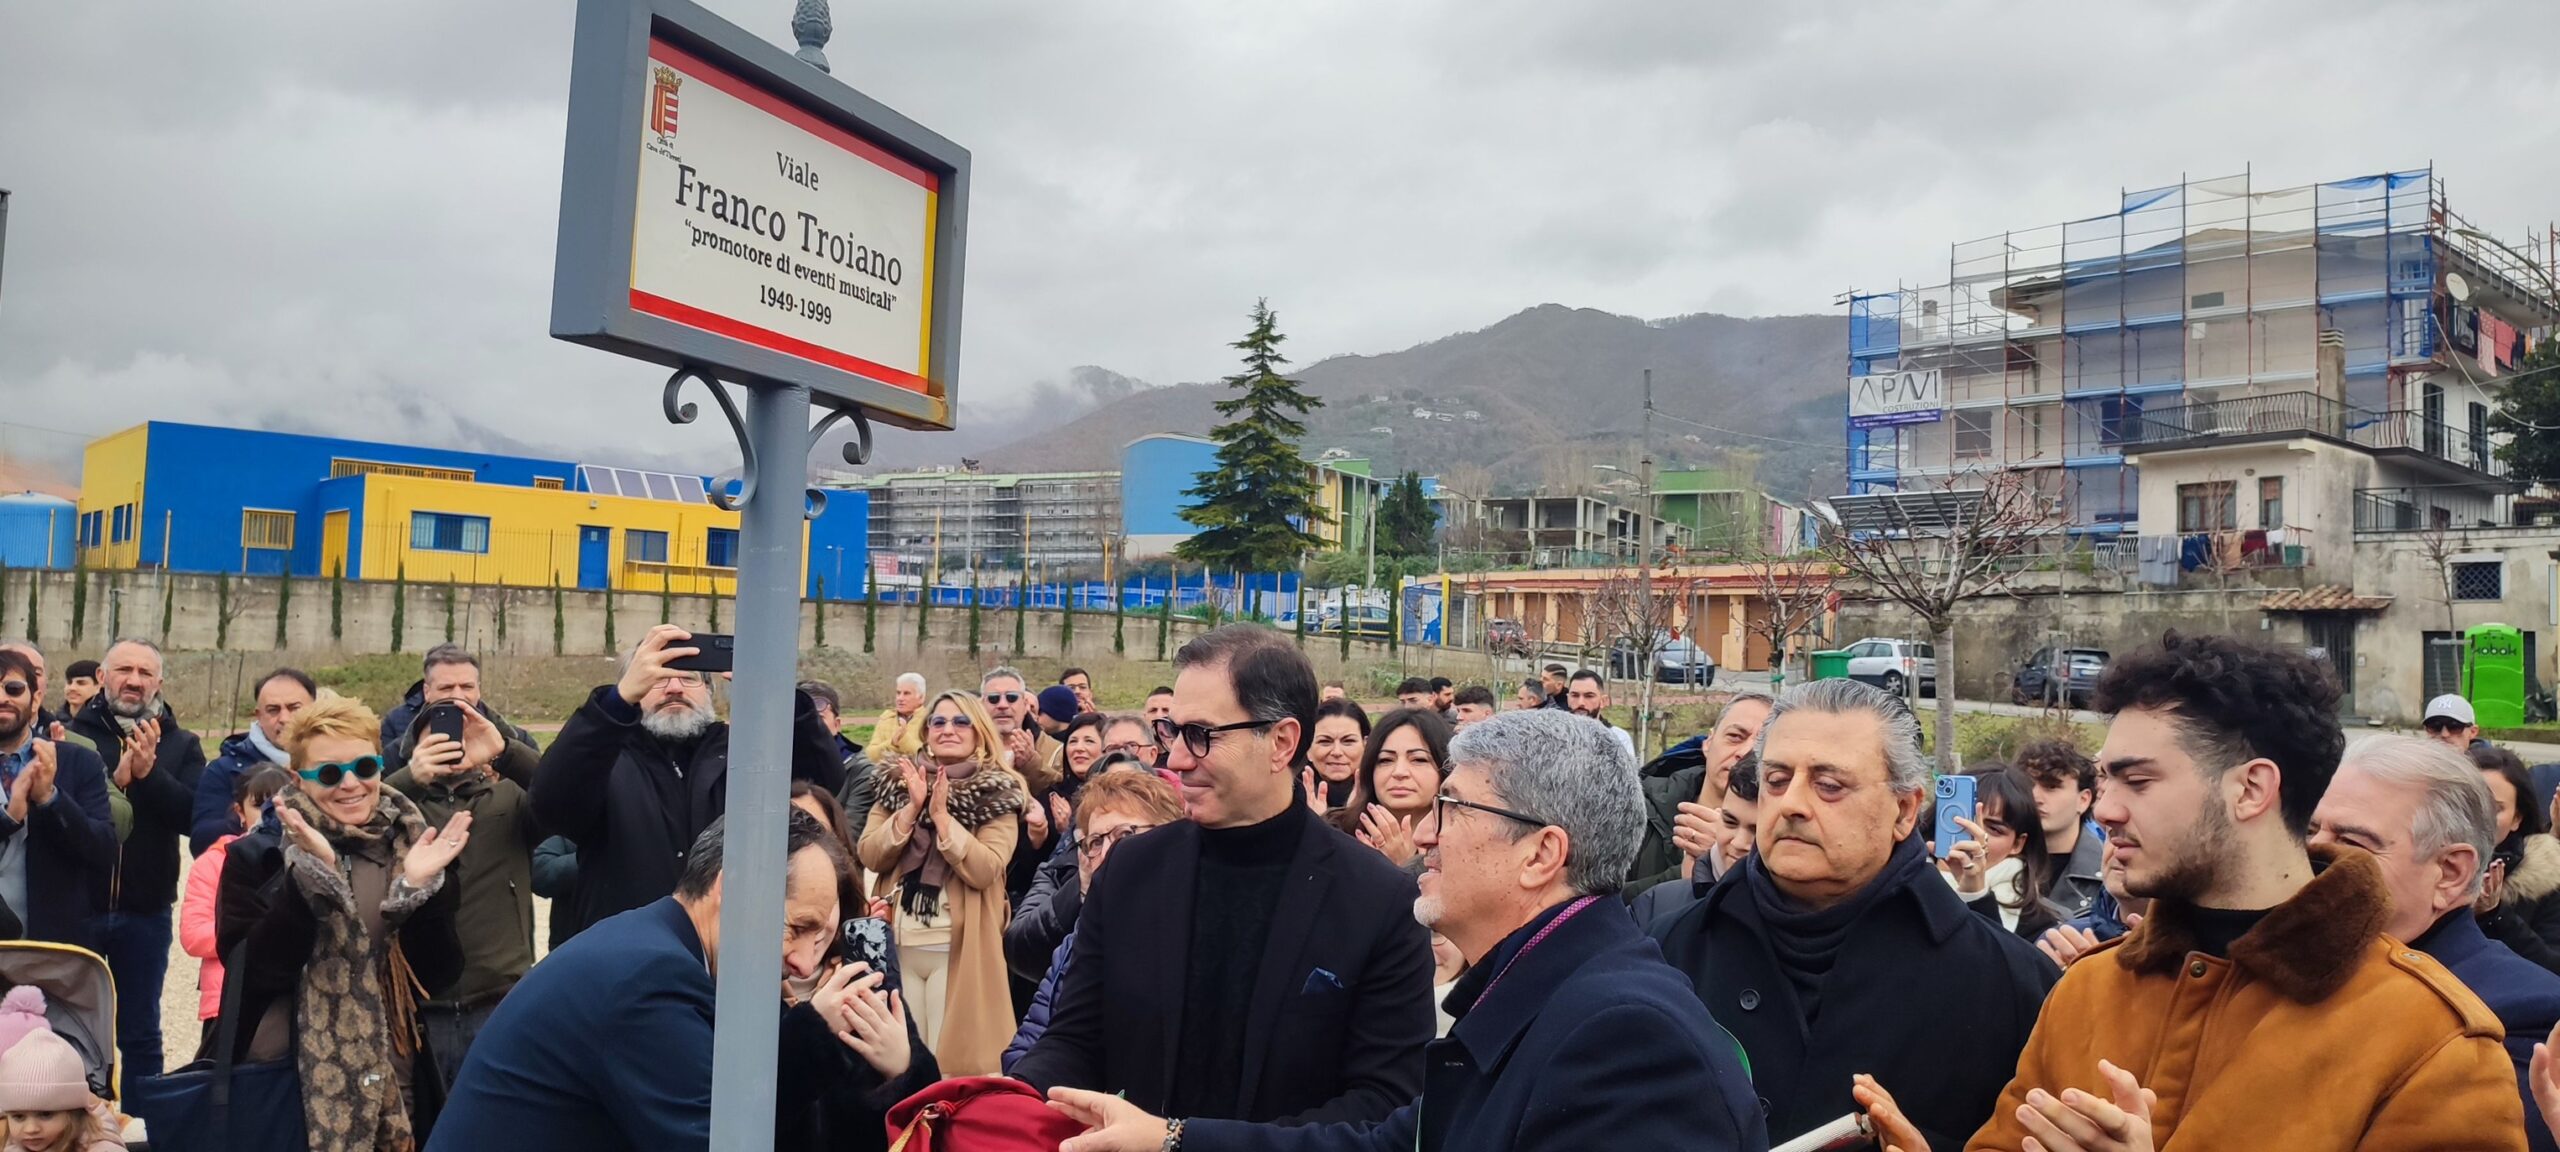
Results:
x,y
1320,981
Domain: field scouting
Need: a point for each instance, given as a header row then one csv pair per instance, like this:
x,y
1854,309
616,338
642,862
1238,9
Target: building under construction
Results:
x,y
2362,314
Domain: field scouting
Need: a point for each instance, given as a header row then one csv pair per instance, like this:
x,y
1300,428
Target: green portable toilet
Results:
x,y
1830,665
2493,674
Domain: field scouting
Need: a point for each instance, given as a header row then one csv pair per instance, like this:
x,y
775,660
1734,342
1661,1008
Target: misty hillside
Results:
x,y
1554,390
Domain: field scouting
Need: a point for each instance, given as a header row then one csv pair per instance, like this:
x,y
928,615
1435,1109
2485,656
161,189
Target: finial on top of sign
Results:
x,y
811,25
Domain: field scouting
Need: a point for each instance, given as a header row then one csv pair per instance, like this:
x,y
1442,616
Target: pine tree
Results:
x,y
1255,509
1406,520
337,605
284,606
973,613
399,607
870,603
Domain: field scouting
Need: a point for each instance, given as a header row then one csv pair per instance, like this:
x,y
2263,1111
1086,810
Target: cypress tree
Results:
x,y
1164,617
1021,607
1119,622
1395,602
820,620
1067,623
870,603
1343,595
1302,612
1254,508
79,604
4,596
715,607
502,616
168,605
115,608
221,610
559,619
924,608
400,607
451,591
610,643
973,613
284,606
666,599
337,604
35,585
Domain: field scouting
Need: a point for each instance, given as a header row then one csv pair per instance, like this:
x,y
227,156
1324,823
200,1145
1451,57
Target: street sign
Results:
x,y
727,207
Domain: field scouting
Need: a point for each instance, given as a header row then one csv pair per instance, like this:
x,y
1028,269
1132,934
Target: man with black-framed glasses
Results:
x,y
1252,963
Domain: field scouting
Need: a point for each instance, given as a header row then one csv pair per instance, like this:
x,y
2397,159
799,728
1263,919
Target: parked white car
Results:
x,y
1894,665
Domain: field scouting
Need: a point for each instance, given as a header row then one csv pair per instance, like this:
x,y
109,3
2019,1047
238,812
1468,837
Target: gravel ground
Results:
x,y
179,1027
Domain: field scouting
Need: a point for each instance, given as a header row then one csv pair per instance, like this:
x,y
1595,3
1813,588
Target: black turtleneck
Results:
x,y
1235,893
2216,929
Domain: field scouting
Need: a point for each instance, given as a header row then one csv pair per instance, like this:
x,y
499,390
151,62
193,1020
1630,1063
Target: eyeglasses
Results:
x,y
328,775
1101,842
1196,736
15,689
946,722
1004,697
1130,747
1441,804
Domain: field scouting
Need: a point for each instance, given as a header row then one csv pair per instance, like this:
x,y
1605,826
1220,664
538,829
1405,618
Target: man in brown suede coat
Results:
x,y
2260,1005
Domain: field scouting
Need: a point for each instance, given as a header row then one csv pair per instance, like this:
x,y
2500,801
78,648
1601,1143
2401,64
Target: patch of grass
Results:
x,y
1984,738
2529,734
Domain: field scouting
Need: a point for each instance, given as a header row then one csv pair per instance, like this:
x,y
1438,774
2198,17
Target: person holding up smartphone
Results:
x,y
939,836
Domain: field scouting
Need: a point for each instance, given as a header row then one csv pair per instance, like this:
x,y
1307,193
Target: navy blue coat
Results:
x,y
1588,1041
1932,1000
538,1076
71,851
2525,997
212,819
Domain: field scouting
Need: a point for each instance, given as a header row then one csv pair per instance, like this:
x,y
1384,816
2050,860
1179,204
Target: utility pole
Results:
x,y
1644,562
1371,582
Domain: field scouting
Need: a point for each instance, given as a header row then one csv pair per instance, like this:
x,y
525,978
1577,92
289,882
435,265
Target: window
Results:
x,y
2271,502
2208,507
261,528
93,529
720,548
2480,436
2205,300
123,523
1973,433
2119,420
448,532
343,466
550,483
646,547
2479,580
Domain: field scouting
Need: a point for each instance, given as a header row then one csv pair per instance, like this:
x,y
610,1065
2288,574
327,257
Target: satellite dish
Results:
x,y
2457,287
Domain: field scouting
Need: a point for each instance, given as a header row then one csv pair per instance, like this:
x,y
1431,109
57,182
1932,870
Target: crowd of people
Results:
x,y
1249,914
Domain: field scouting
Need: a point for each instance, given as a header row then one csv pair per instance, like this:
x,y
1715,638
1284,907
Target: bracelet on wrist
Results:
x,y
1173,1136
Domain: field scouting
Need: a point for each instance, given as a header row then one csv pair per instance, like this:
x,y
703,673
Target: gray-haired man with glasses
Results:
x,y
1251,963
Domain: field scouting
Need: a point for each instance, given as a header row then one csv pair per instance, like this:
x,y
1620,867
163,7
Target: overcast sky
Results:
x,y
340,216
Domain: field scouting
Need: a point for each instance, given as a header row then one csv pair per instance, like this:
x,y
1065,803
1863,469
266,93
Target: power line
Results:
x,y
1839,448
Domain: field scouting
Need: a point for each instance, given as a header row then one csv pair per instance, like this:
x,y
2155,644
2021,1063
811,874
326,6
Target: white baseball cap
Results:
x,y
2450,707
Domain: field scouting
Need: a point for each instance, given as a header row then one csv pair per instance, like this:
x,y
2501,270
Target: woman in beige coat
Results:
x,y
941,864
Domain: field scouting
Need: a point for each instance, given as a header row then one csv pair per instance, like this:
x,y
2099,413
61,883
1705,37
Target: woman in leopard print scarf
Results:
x,y
939,836
335,909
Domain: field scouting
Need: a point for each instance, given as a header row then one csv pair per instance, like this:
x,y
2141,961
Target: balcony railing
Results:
x,y
2419,508
2311,414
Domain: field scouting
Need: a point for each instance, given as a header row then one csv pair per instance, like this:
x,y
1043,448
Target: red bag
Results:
x,y
978,1114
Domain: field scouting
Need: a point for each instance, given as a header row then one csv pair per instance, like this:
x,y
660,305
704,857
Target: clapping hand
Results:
x,y
306,837
1019,745
2064,944
2544,1076
141,754
2079,1122
1035,821
35,784
435,850
1390,834
871,1023
1061,813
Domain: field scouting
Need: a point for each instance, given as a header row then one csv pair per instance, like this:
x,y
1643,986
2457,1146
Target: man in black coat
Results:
x,y
57,837
157,764
642,768
1252,963
1836,949
1571,1033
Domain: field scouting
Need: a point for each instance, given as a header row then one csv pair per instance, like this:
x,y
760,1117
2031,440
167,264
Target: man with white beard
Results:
x,y
642,767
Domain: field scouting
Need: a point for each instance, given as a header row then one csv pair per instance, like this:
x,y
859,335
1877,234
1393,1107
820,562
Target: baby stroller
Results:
x,y
79,1004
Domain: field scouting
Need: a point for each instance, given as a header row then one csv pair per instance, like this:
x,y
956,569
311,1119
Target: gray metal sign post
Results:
x,y
737,215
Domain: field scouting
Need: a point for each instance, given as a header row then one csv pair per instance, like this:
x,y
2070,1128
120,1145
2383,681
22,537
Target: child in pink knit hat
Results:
x,y
44,1090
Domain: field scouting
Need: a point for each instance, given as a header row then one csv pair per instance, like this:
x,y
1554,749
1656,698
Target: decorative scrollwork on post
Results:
x,y
857,449
683,413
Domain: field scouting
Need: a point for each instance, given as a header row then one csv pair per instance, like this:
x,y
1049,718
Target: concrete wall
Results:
x,y
2391,646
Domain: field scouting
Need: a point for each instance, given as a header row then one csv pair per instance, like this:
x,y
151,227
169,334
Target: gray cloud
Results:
x,y
340,217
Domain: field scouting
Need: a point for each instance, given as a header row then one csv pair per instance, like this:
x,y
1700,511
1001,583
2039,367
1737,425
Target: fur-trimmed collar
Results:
x,y
2538,874
2306,948
988,793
